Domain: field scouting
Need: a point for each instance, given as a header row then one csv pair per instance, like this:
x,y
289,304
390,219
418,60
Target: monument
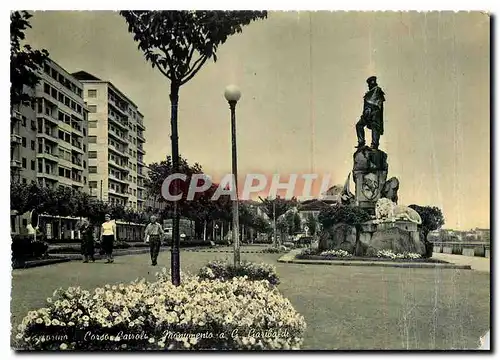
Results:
x,y
393,227
370,163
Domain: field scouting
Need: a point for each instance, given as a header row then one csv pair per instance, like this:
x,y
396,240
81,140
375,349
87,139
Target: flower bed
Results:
x,y
198,314
388,254
225,271
336,253
315,254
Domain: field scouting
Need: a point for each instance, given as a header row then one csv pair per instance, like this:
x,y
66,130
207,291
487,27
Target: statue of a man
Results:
x,y
372,117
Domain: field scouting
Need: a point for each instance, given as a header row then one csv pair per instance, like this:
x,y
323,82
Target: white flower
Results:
x,y
63,346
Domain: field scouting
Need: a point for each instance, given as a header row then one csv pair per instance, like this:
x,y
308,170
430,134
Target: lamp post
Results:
x,y
232,95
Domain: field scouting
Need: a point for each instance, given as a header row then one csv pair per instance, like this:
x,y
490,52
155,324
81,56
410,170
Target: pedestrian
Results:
x,y
87,236
108,237
154,233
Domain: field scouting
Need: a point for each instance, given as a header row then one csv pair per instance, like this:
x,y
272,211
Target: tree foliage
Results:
x,y
65,201
278,205
179,43
346,214
432,218
24,61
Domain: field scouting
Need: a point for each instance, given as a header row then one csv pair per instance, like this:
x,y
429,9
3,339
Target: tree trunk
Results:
x,y
175,258
205,231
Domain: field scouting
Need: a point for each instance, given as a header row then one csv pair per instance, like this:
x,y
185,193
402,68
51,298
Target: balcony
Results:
x,y
51,176
120,123
48,156
142,175
114,178
15,164
16,116
140,125
141,138
141,162
141,150
77,146
47,117
122,138
116,193
119,152
48,136
15,139
118,166
77,164
117,106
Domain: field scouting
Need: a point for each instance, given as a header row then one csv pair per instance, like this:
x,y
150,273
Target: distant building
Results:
x,y
116,144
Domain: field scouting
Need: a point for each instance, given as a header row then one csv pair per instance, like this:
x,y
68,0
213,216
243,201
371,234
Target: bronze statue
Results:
x,y
372,117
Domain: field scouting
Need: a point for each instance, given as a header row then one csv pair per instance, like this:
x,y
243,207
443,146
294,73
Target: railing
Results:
x,y
480,249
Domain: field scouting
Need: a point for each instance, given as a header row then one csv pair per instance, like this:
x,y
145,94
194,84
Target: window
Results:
x,y
32,144
84,148
46,88
93,184
92,154
92,169
84,132
92,124
92,93
24,162
61,171
84,162
23,141
24,121
33,124
92,108
33,165
92,139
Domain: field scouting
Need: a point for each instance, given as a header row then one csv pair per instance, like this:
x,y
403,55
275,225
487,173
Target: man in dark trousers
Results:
x,y
373,114
154,233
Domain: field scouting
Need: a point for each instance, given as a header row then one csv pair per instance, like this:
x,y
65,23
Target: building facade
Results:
x,y
49,138
116,144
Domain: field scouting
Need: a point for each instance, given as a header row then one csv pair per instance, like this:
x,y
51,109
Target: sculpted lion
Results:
x,y
388,211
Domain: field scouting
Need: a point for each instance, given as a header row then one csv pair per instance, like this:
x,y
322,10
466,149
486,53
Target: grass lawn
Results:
x,y
344,307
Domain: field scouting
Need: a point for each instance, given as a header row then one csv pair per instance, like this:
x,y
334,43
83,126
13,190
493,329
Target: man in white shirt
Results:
x,y
154,232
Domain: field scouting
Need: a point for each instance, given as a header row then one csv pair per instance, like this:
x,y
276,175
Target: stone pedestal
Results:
x,y
369,175
399,236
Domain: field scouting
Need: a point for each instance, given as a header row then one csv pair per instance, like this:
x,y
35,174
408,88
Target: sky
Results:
x,y
302,77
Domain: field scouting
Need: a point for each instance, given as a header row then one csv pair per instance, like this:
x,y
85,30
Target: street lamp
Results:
x,y
232,95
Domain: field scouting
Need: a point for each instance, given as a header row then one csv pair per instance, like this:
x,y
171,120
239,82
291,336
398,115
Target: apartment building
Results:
x,y
116,144
49,138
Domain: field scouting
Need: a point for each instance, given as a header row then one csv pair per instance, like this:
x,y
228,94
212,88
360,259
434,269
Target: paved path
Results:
x,y
476,263
345,307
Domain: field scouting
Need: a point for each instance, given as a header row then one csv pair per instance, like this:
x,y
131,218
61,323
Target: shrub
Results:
x,y
271,250
24,247
335,253
197,315
223,271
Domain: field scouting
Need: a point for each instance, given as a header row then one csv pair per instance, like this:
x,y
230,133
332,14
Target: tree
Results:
x,y
277,206
432,219
344,214
24,61
179,43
